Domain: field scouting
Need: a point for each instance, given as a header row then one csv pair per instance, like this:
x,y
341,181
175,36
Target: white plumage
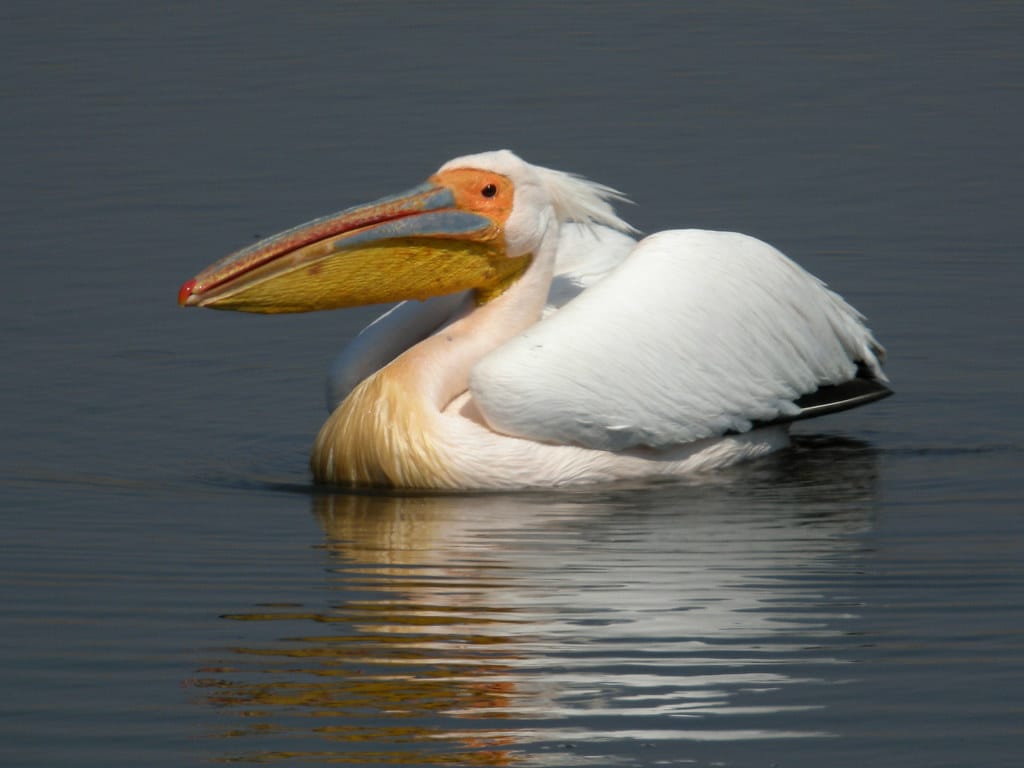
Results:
x,y
694,334
683,336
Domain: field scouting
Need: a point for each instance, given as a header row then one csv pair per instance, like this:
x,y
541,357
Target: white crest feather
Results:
x,y
585,202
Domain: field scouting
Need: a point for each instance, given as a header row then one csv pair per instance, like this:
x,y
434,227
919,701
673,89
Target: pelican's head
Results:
x,y
475,224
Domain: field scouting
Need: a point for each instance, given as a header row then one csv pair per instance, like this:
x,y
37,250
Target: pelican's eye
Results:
x,y
489,191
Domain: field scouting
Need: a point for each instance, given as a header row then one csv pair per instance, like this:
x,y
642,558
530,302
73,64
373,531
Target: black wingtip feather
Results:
x,y
840,397
834,398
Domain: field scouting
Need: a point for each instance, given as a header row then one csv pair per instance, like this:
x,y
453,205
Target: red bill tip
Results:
x,y
186,291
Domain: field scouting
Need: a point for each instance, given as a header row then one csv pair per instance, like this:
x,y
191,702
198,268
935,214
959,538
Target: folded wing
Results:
x,y
694,334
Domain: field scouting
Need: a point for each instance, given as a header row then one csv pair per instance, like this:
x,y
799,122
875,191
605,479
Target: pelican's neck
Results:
x,y
441,364
387,431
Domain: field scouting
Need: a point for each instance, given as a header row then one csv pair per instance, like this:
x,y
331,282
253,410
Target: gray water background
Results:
x,y
176,592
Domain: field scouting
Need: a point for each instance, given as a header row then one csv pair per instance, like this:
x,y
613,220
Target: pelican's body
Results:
x,y
564,352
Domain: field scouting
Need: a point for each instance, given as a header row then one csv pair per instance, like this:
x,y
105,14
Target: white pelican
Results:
x,y
686,351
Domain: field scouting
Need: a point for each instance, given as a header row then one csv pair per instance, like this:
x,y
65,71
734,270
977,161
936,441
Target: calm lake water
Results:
x,y
176,591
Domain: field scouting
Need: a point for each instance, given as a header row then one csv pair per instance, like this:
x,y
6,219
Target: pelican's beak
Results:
x,y
418,244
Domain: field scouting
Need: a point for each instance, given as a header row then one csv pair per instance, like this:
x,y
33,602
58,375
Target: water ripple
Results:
x,y
681,618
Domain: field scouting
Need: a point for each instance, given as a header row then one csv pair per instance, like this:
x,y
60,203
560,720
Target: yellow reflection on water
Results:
x,y
477,630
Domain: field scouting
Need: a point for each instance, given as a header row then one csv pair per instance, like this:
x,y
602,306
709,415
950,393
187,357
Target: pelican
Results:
x,y
539,344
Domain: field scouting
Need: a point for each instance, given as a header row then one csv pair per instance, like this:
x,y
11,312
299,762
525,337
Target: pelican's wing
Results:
x,y
585,254
695,334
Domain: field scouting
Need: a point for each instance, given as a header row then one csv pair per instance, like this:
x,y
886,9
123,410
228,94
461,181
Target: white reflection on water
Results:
x,y
486,628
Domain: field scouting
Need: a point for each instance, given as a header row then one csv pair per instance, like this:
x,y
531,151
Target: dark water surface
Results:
x,y
175,590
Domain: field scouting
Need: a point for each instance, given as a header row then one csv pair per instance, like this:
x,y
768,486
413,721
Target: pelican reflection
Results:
x,y
484,629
